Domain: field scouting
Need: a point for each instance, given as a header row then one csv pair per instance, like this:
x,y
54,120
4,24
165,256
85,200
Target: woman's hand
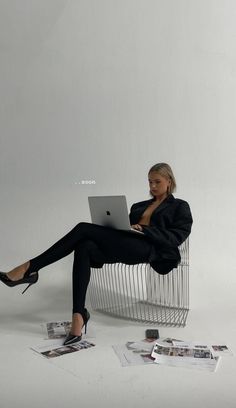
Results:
x,y
137,227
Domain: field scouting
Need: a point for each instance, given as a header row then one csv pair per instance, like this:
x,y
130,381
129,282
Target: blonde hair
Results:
x,y
165,171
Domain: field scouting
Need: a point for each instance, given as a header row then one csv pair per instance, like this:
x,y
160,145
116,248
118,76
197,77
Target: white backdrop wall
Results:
x,y
100,90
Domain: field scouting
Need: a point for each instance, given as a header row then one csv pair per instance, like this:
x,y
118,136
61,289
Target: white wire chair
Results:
x,y
137,292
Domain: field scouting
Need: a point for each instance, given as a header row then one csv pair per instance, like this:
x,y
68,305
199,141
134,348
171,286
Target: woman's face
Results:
x,y
158,184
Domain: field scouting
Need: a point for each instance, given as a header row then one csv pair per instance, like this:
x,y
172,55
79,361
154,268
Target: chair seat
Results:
x,y
137,292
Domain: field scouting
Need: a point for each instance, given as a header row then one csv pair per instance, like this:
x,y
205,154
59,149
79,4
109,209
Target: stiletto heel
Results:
x,y
27,287
71,338
32,279
29,278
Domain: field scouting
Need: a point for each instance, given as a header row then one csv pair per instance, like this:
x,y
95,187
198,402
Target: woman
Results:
x,y
164,220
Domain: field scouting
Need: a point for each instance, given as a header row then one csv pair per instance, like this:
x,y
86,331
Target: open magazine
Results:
x,y
172,352
187,355
56,349
55,333
57,330
135,352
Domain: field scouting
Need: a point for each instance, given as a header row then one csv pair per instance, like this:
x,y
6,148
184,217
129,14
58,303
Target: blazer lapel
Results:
x,y
164,204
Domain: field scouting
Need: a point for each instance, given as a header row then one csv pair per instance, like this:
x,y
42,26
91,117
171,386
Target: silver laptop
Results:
x,y
110,211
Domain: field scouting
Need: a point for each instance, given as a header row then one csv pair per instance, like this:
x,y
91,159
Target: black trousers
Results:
x,y
93,244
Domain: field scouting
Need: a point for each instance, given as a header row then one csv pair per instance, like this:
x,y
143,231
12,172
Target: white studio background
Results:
x,y
99,91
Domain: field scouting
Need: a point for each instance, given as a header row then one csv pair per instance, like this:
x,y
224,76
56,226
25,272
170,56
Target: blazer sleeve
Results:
x,y
175,232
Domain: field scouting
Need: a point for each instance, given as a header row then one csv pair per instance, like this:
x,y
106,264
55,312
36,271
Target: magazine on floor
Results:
x,y
135,352
54,348
55,334
61,329
172,352
199,356
57,330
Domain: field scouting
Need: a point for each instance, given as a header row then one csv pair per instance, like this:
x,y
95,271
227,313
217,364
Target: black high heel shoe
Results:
x,y
29,277
71,338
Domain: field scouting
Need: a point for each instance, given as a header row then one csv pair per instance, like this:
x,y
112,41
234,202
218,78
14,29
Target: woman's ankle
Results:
x,y
77,324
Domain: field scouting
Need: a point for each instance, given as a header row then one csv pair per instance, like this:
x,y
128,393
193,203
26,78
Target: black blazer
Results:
x,y
170,225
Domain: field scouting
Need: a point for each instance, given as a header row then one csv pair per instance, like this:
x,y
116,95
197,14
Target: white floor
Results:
x,y
95,377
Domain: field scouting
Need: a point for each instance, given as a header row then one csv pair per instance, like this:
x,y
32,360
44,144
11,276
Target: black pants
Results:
x,y
91,244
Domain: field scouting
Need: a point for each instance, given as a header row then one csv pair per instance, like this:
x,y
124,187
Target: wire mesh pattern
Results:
x,y
138,292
